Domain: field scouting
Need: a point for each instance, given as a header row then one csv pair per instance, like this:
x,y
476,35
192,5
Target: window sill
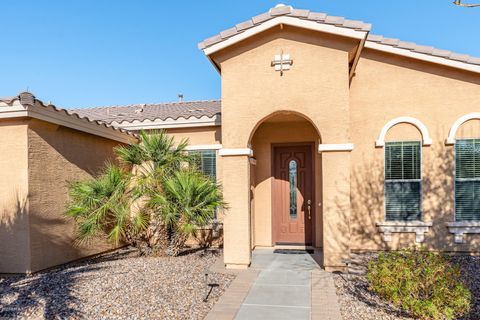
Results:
x,y
417,227
459,229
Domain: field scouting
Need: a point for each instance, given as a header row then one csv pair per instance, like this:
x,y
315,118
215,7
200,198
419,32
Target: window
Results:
x,y
292,177
206,162
403,181
467,180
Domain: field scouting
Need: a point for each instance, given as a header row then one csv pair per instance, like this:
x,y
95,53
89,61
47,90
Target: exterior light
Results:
x,y
468,5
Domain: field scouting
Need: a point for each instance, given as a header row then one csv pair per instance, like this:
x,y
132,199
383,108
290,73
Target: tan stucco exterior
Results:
x,y
388,87
14,220
42,157
317,102
316,88
314,101
197,136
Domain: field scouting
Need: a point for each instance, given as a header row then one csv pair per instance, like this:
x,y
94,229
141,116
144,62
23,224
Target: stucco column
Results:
x,y
336,209
236,189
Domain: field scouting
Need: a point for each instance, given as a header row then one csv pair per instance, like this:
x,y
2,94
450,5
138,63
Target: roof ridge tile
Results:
x,y
321,17
317,16
280,10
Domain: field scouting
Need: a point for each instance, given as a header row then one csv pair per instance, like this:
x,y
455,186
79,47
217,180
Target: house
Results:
x,y
41,149
328,136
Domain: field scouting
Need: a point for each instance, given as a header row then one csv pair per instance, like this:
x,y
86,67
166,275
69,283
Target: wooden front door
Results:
x,y
292,198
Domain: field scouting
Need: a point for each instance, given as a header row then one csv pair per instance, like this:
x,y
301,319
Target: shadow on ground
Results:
x,y
355,285
52,291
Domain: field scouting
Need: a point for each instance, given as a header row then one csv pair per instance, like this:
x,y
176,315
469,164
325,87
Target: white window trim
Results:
x,y
461,228
200,147
225,152
457,124
335,147
426,139
417,227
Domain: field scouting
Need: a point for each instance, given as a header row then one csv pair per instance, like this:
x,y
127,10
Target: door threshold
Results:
x,y
292,247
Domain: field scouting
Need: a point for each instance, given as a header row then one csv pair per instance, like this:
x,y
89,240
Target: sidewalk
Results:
x,y
279,286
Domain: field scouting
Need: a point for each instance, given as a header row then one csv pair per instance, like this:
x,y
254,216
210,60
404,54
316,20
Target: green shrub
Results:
x,y
425,284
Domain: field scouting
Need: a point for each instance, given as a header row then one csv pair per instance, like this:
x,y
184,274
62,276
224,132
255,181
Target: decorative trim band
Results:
x,y
203,147
170,123
459,229
236,152
422,56
335,147
47,114
456,125
417,227
417,123
291,21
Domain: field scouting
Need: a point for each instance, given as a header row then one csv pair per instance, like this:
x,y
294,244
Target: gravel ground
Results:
x,y
357,302
117,285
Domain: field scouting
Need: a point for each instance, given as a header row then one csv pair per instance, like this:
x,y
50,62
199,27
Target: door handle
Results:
x,y
309,207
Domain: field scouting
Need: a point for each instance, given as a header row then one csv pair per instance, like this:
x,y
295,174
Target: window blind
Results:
x,y
206,162
403,194
467,180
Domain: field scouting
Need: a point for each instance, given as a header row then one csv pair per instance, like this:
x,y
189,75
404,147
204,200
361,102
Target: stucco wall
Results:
x,y
197,136
386,87
14,222
56,155
317,86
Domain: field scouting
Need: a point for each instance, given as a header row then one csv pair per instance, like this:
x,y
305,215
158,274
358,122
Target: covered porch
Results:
x,y
297,197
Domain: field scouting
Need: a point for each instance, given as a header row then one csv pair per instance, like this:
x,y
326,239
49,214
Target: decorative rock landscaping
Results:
x,y
117,285
357,302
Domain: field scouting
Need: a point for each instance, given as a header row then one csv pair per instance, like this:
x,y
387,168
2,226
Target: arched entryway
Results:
x,y
286,182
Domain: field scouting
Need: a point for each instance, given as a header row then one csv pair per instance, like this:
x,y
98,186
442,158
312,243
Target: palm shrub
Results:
x,y
425,284
101,205
153,160
188,200
156,207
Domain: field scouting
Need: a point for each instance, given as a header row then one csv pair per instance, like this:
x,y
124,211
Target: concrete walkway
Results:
x,y
279,286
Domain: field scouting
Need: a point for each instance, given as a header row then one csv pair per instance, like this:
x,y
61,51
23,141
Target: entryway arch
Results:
x,y
286,181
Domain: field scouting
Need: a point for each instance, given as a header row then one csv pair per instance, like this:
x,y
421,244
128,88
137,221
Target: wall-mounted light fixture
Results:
x,y
468,5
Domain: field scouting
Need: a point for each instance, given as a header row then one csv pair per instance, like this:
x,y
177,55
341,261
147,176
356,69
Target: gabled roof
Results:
x,y
339,25
427,50
26,105
173,114
316,19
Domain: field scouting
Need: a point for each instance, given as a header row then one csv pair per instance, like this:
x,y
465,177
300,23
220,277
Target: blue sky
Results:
x,y
98,52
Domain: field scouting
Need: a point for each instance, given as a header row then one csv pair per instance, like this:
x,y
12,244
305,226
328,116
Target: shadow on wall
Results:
x,y
20,293
208,237
367,205
14,232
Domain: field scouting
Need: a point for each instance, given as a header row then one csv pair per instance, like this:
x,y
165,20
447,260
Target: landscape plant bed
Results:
x,y
358,302
120,285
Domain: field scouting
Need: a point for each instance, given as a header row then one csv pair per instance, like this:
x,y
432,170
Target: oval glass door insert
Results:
x,y
292,174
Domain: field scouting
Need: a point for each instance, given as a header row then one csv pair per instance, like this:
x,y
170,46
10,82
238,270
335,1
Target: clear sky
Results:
x,y
80,53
